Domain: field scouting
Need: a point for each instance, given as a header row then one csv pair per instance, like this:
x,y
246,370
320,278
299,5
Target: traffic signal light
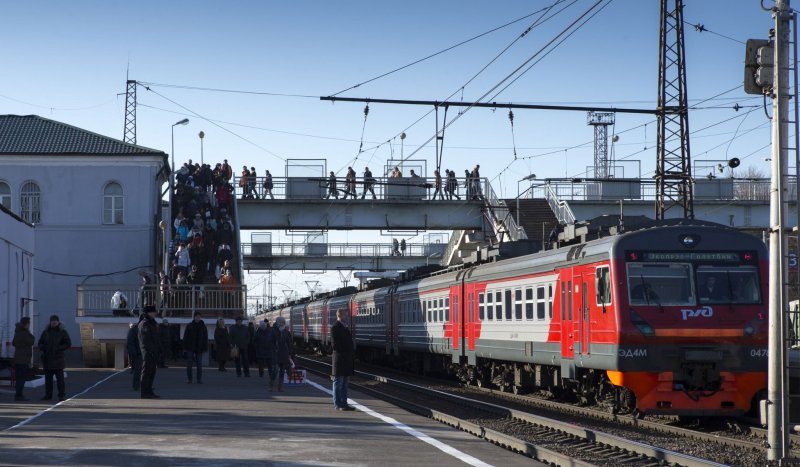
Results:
x,y
758,66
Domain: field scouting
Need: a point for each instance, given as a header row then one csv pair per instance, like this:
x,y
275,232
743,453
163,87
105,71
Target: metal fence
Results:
x,y
172,301
733,189
385,188
342,249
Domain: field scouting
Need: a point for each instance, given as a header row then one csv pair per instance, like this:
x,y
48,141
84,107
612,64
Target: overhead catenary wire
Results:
x,y
524,64
447,49
216,124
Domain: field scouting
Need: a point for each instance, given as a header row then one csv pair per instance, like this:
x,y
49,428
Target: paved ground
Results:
x,y
226,421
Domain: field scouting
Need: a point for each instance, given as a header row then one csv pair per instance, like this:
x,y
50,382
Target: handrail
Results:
x,y
419,250
211,300
501,216
560,208
455,241
385,188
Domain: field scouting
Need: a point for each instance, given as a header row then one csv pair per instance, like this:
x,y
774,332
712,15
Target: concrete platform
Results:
x,y
225,421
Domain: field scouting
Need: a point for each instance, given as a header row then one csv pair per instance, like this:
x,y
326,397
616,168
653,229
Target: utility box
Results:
x,y
305,188
316,249
715,188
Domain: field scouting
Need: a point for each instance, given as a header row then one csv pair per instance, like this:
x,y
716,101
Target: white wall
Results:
x,y
16,278
73,244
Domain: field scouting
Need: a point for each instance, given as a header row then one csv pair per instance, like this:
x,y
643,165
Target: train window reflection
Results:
x,y
728,285
660,284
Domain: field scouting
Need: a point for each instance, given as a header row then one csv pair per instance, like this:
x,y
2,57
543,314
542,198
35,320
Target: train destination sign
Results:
x,y
692,256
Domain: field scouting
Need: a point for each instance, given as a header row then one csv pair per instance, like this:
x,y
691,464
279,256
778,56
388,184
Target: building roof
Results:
x,y
32,134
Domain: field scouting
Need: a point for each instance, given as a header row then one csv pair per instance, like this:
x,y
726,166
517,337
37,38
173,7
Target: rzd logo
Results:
x,y
705,312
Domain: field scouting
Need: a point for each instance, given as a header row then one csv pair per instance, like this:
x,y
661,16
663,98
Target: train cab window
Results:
x,y
728,285
518,304
603,286
540,303
508,305
550,301
660,284
481,307
489,306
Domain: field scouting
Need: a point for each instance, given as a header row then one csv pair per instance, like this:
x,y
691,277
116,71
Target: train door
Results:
x,y
581,285
566,290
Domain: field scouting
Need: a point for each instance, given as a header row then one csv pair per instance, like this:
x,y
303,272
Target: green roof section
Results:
x,y
32,134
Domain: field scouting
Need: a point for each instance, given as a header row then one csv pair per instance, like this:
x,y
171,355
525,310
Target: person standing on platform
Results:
x,y
53,342
23,353
350,183
195,342
240,337
342,367
402,247
280,345
135,354
261,344
150,346
222,344
369,183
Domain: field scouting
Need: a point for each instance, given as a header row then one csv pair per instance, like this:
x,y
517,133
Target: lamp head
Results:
x,y
182,122
201,135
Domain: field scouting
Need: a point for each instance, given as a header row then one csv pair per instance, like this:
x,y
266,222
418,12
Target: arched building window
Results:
x,y
5,195
30,202
112,204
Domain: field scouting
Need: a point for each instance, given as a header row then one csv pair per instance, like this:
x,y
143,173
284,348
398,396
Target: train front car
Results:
x,y
692,319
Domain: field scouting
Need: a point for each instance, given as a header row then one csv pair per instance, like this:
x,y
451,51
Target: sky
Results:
x,y
69,61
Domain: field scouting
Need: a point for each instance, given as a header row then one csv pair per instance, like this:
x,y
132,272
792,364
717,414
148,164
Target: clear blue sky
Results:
x,y
68,61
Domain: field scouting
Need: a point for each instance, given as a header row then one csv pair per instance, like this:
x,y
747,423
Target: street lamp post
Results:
x,y
201,135
172,180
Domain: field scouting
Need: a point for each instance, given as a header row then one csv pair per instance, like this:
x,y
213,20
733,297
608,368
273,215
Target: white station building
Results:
x,y
94,203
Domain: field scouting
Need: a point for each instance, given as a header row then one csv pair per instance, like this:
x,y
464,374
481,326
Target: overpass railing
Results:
x,y
174,301
385,188
420,250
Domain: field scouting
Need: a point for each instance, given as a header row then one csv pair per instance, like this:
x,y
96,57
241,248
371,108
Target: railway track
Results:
x,y
542,438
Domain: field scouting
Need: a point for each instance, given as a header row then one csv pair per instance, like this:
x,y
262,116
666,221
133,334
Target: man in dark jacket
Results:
x,y
135,354
240,337
261,344
150,345
342,365
53,342
195,342
23,352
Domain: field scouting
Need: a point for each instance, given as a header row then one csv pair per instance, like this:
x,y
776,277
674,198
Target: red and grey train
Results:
x,y
670,319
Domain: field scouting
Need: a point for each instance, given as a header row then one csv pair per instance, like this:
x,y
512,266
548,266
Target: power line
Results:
x,y
231,91
216,124
445,49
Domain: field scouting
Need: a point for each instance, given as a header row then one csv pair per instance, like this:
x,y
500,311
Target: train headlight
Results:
x,y
643,326
749,330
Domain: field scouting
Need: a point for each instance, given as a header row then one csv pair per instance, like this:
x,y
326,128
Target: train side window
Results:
x,y
489,306
518,304
447,309
481,307
540,303
550,301
508,304
498,300
603,286
529,303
